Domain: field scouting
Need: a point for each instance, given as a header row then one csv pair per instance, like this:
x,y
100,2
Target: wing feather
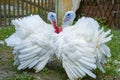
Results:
x,y
75,54
31,42
82,47
92,33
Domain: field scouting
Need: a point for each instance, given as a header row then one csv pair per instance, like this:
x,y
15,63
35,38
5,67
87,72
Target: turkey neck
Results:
x,y
56,28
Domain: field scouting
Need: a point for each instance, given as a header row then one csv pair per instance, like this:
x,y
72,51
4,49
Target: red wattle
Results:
x,y
56,27
60,29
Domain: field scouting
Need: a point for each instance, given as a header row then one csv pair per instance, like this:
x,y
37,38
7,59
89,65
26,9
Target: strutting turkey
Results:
x,y
32,41
80,47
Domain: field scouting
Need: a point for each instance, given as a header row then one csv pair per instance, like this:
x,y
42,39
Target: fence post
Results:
x,y
5,17
63,6
0,15
56,8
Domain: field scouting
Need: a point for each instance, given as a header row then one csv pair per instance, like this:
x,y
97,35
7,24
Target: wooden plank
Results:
x,y
38,6
4,13
13,12
0,15
35,6
9,12
44,12
30,6
22,4
18,9
63,7
26,7
52,5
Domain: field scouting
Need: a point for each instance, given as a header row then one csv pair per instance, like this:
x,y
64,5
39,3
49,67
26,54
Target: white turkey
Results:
x,y
32,41
81,47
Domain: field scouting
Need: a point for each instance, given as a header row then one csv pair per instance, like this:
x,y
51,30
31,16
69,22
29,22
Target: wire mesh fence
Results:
x,y
109,10
10,9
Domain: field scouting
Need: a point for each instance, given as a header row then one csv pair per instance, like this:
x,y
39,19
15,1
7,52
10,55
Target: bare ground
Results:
x,y
53,70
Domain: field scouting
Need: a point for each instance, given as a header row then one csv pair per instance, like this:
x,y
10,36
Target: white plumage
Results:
x,y
91,31
81,47
32,42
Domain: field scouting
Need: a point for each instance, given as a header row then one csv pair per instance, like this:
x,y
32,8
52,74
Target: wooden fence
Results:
x,y
103,9
10,9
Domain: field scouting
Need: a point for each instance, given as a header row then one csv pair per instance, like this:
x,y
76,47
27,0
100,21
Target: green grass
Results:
x,y
23,76
111,67
6,32
114,44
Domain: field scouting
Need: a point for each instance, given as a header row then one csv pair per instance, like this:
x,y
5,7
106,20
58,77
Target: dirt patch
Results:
x,y
53,70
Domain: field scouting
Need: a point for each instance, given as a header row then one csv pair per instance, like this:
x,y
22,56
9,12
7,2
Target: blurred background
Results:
x,y
106,10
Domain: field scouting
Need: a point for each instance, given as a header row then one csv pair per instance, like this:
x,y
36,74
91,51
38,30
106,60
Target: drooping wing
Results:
x,y
34,52
91,31
75,54
27,26
32,42
82,47
101,49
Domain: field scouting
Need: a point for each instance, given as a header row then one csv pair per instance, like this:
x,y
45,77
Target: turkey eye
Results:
x,y
52,16
68,14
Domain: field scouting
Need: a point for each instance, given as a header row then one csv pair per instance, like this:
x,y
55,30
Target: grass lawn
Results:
x,y
55,71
